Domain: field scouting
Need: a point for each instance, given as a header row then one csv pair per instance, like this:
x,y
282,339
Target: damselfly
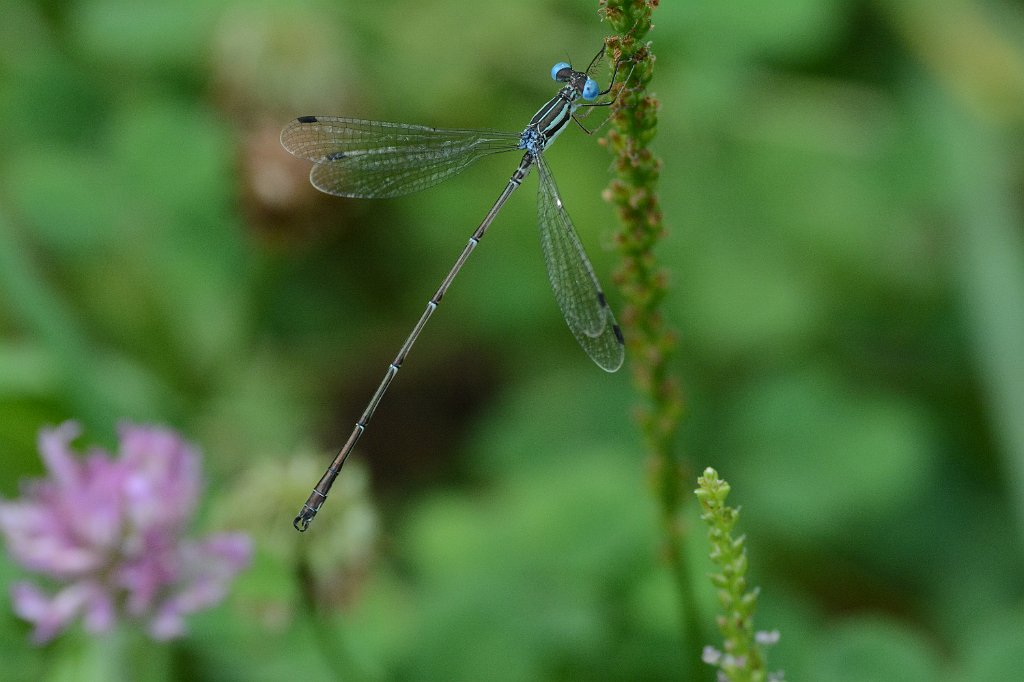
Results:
x,y
375,159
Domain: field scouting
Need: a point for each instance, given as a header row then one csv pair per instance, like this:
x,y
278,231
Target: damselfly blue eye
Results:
x,y
558,67
591,89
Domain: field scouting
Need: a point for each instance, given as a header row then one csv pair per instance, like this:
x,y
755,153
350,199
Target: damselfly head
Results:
x,y
584,85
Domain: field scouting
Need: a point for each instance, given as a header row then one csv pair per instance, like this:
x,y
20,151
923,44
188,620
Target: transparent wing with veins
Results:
x,y
376,159
576,288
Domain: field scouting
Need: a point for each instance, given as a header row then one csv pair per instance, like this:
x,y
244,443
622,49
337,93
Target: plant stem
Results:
x,y
650,343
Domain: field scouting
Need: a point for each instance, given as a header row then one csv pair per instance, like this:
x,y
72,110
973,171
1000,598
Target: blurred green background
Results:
x,y
843,186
